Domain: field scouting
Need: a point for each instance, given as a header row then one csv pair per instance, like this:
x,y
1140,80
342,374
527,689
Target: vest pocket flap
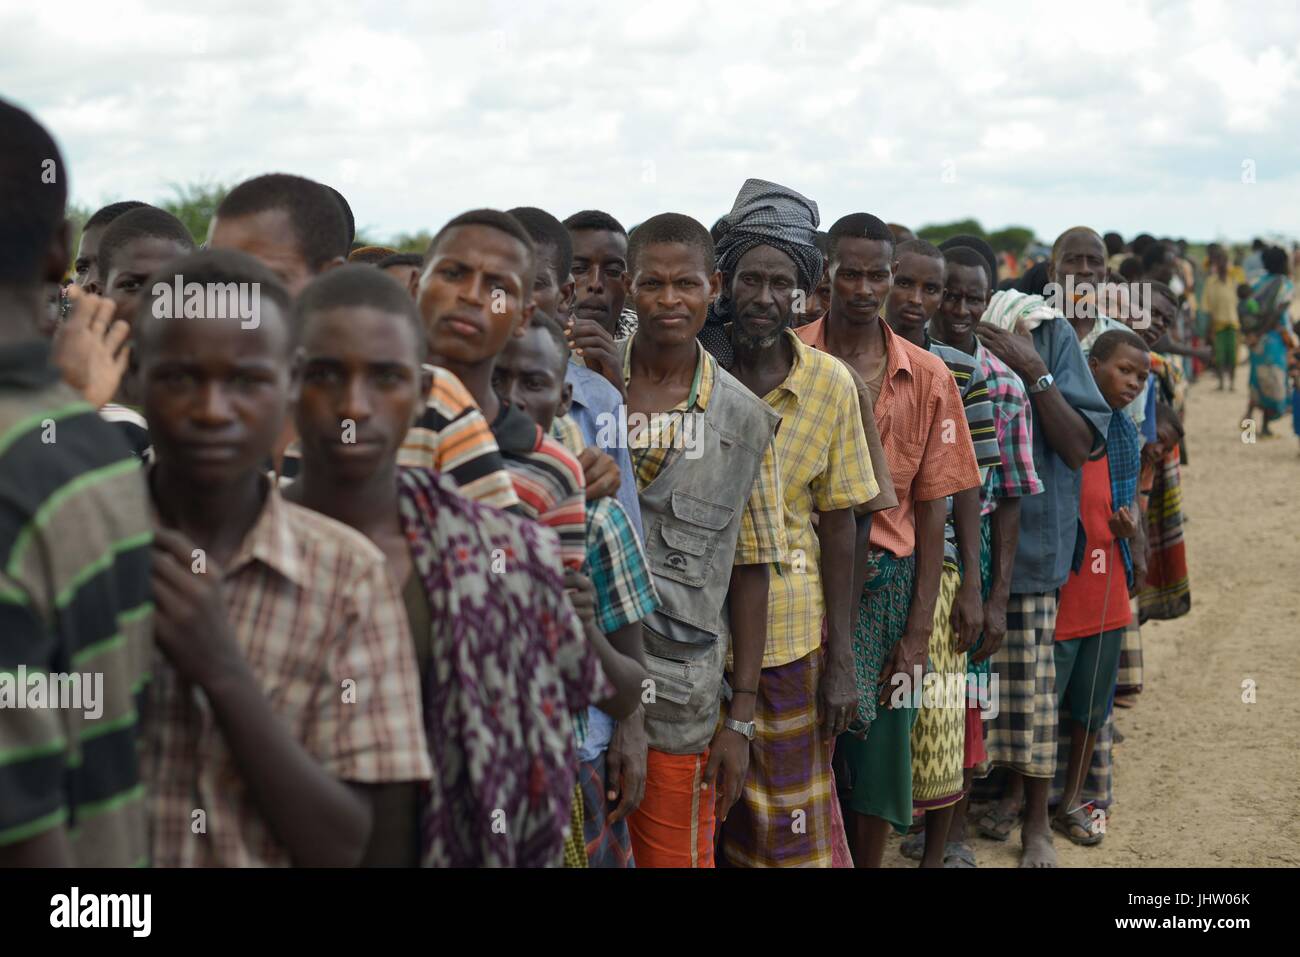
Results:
x,y
670,633
684,541
668,682
699,512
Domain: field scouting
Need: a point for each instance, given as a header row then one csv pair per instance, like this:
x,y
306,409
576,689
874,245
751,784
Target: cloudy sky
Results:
x,y
1175,118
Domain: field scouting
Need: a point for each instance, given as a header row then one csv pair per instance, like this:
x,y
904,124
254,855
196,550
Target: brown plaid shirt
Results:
x,y
323,628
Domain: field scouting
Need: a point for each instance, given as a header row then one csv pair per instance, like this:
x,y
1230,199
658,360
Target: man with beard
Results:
x,y
806,692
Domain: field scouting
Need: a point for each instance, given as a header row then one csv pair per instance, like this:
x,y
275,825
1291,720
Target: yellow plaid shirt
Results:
x,y
762,531
825,465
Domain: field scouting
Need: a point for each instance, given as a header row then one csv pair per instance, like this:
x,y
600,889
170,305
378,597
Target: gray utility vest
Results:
x,y
691,514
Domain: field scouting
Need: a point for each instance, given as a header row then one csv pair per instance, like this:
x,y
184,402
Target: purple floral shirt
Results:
x,y
510,665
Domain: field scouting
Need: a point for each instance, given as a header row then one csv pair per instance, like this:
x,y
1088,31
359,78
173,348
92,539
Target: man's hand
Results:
x,y
729,750
908,655
582,595
1139,576
837,695
590,340
967,616
1016,349
90,348
602,475
1122,524
190,623
995,628
625,766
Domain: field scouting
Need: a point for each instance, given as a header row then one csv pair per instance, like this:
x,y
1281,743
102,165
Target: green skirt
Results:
x,y
882,617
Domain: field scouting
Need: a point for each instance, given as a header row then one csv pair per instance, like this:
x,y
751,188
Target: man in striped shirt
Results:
x,y
75,609
475,293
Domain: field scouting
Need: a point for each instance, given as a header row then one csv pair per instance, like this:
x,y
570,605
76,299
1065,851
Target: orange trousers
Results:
x,y
674,825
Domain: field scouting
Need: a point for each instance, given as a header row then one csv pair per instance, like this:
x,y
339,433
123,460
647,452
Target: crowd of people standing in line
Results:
x,y
568,544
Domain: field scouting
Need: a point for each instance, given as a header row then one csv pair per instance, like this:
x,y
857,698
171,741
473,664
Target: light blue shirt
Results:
x,y
1049,523
594,399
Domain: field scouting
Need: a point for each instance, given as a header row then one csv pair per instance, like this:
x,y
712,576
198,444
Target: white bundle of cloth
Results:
x,y
1008,309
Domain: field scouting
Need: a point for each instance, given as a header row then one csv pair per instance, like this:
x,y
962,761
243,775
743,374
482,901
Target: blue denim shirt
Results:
x,y
593,399
1049,523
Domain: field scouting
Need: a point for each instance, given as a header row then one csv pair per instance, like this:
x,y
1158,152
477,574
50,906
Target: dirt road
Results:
x,y
1202,777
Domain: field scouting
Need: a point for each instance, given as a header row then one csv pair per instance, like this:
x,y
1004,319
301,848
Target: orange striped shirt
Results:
x,y
452,437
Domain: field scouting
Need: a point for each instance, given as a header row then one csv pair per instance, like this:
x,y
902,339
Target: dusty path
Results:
x,y
1202,778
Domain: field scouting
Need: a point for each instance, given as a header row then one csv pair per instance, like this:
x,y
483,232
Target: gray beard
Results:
x,y
754,343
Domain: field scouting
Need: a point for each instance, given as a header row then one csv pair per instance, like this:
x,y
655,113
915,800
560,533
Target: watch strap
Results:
x,y
747,728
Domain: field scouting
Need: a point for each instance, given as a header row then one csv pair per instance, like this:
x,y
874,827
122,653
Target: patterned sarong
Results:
x,y
575,853
608,845
784,816
939,734
1168,592
882,617
986,587
1130,656
1022,736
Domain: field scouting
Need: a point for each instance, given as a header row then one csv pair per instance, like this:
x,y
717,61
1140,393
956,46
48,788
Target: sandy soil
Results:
x,y
1203,778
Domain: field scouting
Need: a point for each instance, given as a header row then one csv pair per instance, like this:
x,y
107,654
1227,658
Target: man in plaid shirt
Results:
x,y
289,676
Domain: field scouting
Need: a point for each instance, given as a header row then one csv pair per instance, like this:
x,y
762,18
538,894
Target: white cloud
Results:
x,y
1129,116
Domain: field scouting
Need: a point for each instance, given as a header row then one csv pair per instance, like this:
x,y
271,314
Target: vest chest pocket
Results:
x,y
690,538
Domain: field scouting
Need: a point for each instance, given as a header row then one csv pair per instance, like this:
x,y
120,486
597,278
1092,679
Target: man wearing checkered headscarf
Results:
x,y
764,214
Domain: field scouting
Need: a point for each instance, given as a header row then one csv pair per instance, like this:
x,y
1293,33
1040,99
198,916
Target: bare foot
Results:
x,y
1037,849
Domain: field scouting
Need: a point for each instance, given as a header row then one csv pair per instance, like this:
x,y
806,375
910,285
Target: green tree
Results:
x,y
938,232
194,204
1012,239
412,242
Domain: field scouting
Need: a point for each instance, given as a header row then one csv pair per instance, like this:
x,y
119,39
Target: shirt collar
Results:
x,y
799,381
271,541
896,358
26,365
701,385
586,388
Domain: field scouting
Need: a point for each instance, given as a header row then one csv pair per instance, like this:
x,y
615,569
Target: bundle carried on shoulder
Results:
x,y
1008,309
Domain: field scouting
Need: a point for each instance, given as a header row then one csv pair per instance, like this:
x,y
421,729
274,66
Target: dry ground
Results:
x,y
1202,778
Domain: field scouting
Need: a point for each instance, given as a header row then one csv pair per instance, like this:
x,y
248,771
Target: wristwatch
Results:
x,y
747,728
1043,384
